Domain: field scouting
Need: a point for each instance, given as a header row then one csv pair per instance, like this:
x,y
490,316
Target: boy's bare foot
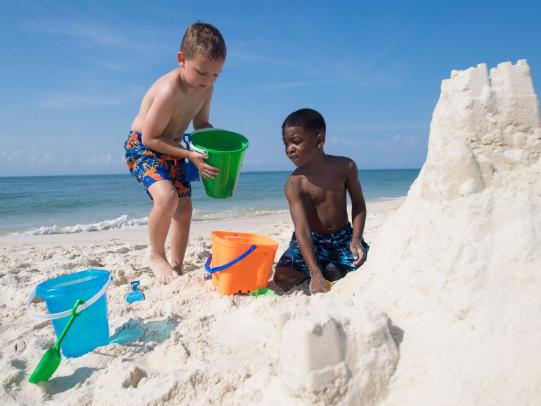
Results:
x,y
177,268
161,268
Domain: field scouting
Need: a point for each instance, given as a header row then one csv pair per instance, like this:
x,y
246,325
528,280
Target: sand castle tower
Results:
x,y
484,124
457,268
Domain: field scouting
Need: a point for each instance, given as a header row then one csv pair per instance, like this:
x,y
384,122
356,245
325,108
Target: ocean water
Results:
x,y
66,204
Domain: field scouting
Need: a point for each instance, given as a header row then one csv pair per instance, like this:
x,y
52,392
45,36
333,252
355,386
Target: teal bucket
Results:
x,y
91,328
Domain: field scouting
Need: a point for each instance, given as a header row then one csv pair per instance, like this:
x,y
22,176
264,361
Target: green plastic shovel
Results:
x,y
263,292
51,359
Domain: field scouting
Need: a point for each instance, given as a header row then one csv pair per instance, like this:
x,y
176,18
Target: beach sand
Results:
x,y
178,356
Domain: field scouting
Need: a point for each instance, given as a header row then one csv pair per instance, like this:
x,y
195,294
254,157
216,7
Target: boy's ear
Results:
x,y
181,58
320,140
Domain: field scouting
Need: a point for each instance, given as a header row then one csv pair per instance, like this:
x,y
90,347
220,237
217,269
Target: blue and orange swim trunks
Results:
x,y
149,166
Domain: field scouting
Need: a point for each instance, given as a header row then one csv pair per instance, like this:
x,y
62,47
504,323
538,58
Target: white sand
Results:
x,y
446,311
197,348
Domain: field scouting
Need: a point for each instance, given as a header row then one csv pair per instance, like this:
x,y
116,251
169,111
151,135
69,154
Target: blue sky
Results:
x,y
73,73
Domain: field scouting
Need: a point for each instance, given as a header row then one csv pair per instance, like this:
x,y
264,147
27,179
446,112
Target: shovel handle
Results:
x,y
74,315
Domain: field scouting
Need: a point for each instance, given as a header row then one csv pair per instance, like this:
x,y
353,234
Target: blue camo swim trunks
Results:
x,y
149,166
330,249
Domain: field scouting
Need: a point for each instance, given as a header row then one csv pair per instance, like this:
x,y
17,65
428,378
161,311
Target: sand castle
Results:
x,y
457,267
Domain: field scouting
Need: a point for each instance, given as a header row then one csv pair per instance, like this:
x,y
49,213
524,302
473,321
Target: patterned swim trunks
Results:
x,y
332,254
149,166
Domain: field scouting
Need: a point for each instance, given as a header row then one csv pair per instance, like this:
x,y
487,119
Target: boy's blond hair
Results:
x,y
203,39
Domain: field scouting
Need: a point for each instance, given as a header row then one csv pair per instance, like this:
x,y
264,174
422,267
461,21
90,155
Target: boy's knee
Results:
x,y
286,278
184,211
167,202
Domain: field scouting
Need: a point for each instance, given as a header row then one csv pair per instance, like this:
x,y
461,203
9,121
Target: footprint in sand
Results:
x,y
134,377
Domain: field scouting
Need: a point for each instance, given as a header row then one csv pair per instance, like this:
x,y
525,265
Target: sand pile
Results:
x,y
457,268
186,344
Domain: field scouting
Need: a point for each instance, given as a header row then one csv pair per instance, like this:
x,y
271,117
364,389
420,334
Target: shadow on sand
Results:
x,y
61,384
136,332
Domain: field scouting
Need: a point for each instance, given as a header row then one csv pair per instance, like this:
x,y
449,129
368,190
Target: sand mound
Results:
x,y
457,267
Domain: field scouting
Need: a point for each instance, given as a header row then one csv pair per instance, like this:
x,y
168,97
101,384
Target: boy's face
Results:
x,y
301,145
199,72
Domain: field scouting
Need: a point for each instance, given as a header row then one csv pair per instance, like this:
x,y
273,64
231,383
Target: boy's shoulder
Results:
x,y
334,165
166,85
341,166
343,161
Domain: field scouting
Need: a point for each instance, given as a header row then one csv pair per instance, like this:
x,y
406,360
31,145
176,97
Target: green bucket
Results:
x,y
225,151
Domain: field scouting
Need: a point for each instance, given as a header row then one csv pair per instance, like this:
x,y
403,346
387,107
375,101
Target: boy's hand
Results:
x,y
204,169
318,284
359,256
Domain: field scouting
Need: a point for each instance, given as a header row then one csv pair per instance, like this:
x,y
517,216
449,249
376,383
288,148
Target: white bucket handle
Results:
x,y
187,138
196,149
54,316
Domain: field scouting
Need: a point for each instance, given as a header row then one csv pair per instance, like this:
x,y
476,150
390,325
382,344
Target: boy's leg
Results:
x,y
291,269
180,232
164,196
286,277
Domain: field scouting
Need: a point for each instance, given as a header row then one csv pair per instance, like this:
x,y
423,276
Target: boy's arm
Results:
x,y
201,119
302,229
156,120
358,212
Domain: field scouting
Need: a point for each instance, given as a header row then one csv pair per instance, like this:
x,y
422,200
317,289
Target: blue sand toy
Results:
x,y
135,295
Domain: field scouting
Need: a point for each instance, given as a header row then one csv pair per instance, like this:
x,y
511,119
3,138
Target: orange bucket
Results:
x,y
240,262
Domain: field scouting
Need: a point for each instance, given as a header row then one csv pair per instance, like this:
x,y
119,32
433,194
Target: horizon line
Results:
x,y
127,174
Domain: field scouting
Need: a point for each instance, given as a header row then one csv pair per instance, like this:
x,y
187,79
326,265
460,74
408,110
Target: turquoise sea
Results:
x,y
66,204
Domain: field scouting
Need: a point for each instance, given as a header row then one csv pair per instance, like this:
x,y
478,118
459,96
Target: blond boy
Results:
x,y
153,152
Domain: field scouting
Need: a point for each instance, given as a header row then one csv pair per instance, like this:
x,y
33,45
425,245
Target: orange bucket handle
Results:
x,y
215,269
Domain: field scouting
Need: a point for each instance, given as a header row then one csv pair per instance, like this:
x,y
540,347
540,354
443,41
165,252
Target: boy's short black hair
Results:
x,y
309,119
205,39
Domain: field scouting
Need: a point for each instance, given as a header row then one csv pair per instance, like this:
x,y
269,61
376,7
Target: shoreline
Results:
x,y
199,229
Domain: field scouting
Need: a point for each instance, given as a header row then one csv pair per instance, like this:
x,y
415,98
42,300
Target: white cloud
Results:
x,y
406,140
81,30
11,156
100,159
67,101
285,85
380,127
337,72
142,40
20,158
114,66
381,142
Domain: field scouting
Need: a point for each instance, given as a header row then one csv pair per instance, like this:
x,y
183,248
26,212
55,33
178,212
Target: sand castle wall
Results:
x,y
457,267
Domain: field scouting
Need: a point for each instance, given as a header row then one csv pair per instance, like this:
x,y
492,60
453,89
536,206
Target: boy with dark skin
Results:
x,y
324,246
